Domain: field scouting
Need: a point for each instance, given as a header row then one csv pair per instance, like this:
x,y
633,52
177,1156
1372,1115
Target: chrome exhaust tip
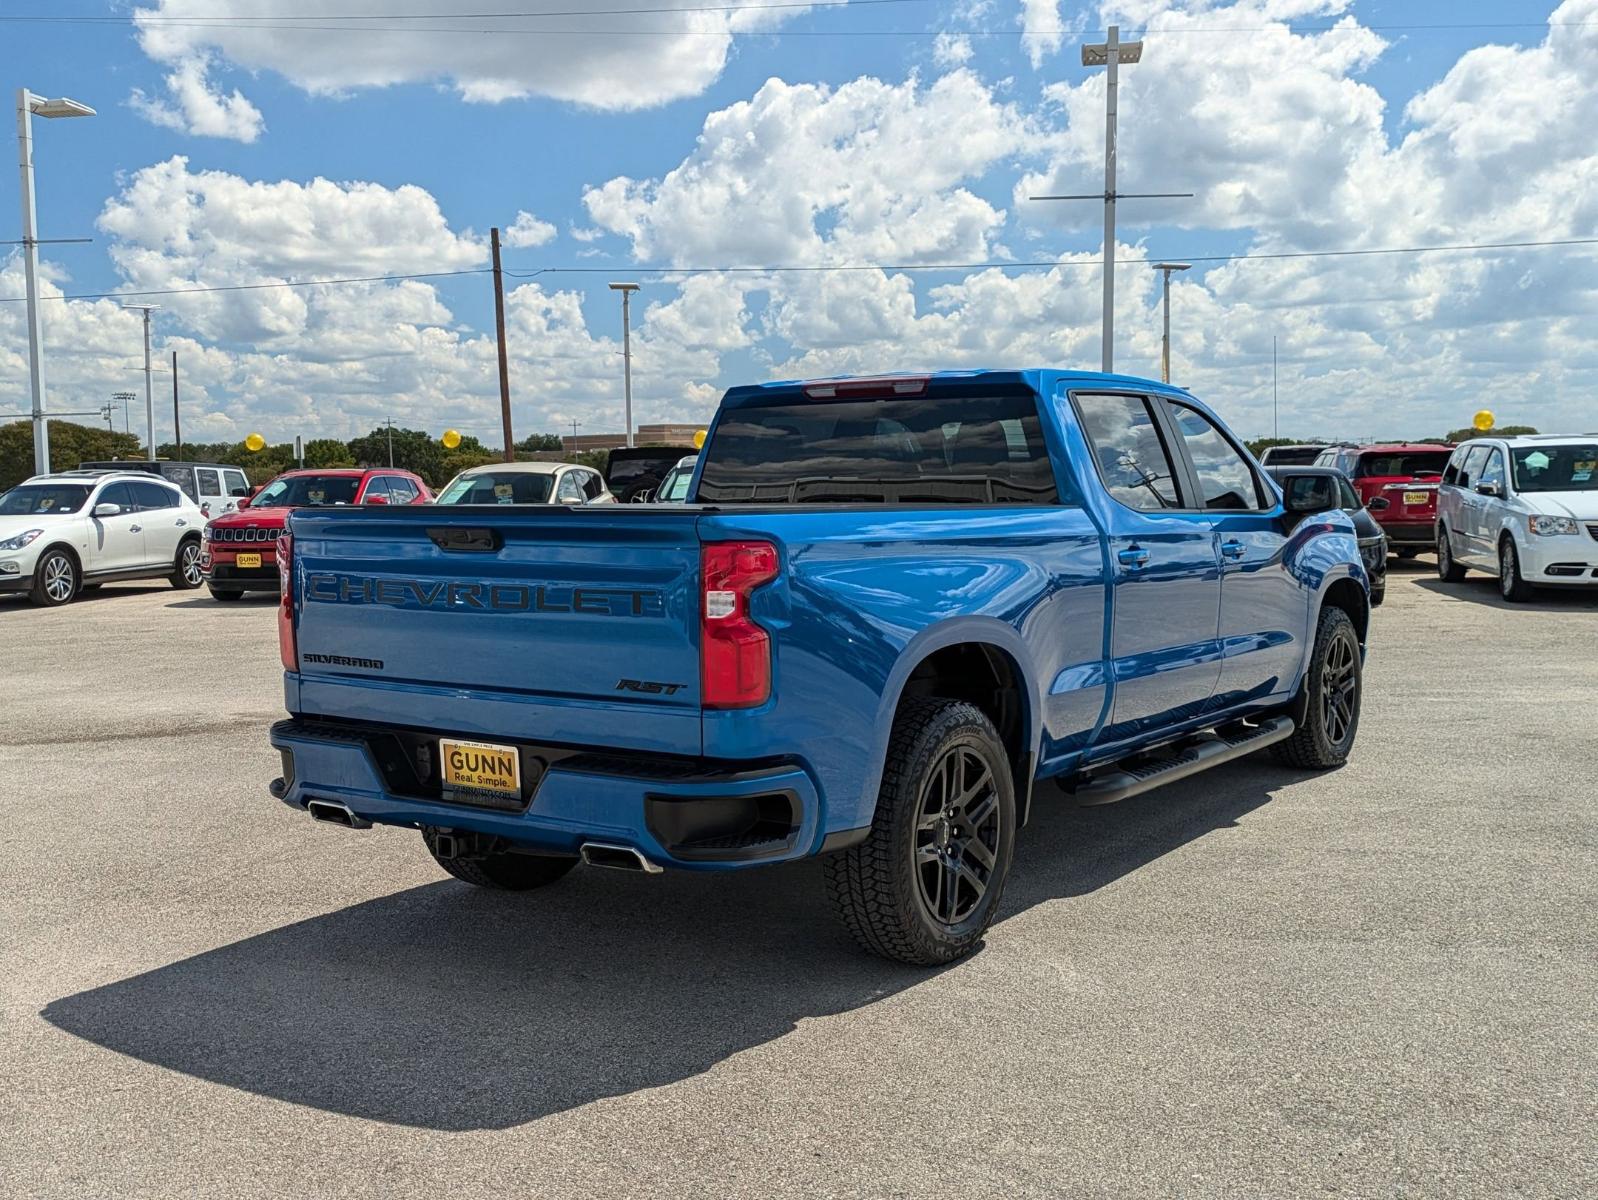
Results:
x,y
618,858
333,813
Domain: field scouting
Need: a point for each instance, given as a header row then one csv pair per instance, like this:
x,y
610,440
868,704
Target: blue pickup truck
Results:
x,y
895,611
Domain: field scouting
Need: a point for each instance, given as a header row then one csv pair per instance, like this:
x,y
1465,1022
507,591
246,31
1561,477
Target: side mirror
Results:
x,y
244,500
107,510
241,492
379,498
1490,488
1379,503
1302,499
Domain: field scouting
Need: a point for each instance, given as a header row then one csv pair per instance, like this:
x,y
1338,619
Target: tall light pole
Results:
x,y
626,290
149,390
1165,269
126,398
28,107
1110,54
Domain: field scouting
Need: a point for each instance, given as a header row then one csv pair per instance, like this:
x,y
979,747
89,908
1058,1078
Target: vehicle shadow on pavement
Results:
x,y
449,1008
1483,590
98,594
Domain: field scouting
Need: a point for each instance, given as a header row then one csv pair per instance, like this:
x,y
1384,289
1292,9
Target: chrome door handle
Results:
x,y
1233,549
181,522
1133,556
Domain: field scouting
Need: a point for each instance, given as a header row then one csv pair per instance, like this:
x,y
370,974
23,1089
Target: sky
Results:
x,y
695,146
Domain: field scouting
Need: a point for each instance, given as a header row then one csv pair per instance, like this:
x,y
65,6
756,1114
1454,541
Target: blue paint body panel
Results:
x,y
535,638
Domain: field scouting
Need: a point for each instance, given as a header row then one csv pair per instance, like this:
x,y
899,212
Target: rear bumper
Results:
x,y
1407,534
695,814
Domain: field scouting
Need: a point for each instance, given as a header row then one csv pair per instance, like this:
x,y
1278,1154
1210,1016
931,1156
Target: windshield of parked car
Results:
x,y
1566,468
307,491
947,450
498,487
1403,466
31,499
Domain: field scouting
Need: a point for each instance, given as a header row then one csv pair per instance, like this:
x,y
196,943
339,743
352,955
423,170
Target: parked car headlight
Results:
x,y
1550,526
21,540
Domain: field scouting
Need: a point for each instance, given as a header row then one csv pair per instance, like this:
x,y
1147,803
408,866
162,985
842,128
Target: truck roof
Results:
x,y
911,383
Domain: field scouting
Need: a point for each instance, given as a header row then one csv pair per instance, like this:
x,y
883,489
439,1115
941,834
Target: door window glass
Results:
x,y
1346,499
235,482
570,491
376,486
1493,472
183,477
210,482
120,494
150,496
1129,451
1471,467
1225,479
400,490
592,484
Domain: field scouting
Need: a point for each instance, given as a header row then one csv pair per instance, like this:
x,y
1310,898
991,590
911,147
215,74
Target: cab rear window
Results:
x,y
954,450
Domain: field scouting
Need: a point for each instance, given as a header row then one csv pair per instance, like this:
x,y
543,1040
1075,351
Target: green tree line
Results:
x,y
413,450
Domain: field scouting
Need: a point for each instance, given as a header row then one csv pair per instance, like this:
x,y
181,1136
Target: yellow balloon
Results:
x,y
699,438
255,442
1483,420
451,439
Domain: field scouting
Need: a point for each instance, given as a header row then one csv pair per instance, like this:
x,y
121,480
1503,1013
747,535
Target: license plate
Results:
x,y
249,560
1415,497
481,767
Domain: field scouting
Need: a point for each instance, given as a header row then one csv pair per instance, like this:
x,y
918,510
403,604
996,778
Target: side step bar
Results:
x,y
1211,751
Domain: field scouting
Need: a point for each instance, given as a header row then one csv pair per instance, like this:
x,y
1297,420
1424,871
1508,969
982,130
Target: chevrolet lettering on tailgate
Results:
x,y
484,597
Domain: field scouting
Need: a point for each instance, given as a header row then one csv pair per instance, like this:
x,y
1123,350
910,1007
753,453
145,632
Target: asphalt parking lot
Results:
x,y
1375,982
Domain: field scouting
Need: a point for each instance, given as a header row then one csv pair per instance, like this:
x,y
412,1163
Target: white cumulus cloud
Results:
x,y
527,230
193,104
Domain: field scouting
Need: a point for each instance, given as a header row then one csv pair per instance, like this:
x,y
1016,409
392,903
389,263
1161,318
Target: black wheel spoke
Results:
x,y
978,850
977,814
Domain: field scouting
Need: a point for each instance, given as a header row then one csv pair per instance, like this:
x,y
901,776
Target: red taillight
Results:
x,y
734,652
287,648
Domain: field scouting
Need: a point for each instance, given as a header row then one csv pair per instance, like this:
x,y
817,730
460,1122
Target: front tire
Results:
x,y
55,579
226,595
505,872
1328,709
186,574
1448,570
926,883
1511,585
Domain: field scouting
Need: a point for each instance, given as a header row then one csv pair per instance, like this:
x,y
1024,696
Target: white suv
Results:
x,y
72,530
1522,508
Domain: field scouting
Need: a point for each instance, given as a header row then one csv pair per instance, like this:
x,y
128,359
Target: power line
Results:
x,y
821,268
153,18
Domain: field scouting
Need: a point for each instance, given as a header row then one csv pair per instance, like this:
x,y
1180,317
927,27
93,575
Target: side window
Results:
x,y
1471,467
593,486
1131,455
150,496
183,477
376,486
210,482
1493,472
1346,499
235,483
119,494
1225,478
571,492
400,490
1451,471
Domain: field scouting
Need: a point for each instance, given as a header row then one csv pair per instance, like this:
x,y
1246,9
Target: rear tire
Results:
x,y
1327,711
1407,552
55,579
926,883
1511,585
1378,595
506,872
1448,570
226,595
186,574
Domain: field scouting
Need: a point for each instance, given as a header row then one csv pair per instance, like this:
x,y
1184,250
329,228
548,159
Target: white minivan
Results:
x,y
1522,508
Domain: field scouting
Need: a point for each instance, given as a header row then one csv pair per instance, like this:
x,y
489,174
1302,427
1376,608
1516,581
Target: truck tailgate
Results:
x,y
578,626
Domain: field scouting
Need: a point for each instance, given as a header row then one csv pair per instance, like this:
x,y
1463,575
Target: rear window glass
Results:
x,y
950,450
1403,466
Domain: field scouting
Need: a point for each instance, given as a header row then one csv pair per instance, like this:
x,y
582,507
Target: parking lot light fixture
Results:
x,y
28,107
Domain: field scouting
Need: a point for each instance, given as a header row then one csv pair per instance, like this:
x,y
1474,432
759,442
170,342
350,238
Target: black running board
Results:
x,y
1211,751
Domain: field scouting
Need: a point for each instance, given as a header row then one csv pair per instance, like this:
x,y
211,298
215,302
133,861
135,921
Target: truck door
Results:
x,y
1261,604
1165,576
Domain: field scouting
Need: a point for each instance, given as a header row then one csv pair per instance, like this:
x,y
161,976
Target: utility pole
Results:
x,y
389,421
626,290
499,332
29,106
177,424
149,378
1165,269
1111,54
1275,428
575,425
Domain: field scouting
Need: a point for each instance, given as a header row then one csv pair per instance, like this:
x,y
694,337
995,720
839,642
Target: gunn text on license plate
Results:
x,y
249,560
1415,497
481,767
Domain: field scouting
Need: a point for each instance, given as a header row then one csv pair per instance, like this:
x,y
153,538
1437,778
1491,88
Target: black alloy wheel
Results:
x,y
957,836
1339,689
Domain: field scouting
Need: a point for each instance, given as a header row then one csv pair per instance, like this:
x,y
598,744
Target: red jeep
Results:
x,y
239,553
1397,483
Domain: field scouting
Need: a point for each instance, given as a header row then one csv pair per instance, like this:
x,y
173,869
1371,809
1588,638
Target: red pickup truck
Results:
x,y
1397,483
239,552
